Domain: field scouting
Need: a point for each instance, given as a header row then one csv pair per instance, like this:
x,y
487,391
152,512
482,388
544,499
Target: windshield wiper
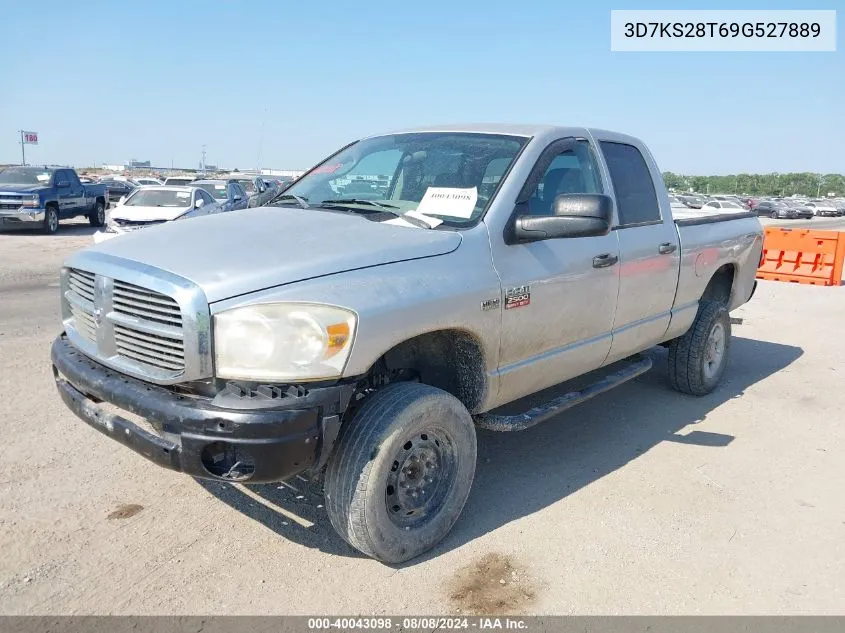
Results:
x,y
379,208
369,203
302,202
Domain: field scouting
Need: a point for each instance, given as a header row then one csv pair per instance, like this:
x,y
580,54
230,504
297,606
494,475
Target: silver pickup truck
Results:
x,y
362,340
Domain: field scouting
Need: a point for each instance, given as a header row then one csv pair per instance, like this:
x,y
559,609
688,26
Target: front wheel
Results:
x,y
698,359
51,221
402,471
97,217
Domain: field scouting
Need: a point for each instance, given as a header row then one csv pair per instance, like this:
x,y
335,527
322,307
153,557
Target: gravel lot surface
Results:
x,y
642,501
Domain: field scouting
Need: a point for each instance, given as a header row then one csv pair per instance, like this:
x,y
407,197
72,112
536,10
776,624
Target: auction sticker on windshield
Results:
x,y
183,194
454,202
43,177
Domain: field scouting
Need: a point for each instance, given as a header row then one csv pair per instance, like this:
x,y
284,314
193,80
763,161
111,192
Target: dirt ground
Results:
x,y
642,501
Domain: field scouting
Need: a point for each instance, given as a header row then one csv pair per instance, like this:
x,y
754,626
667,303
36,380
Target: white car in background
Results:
x,y
149,205
179,180
823,208
728,206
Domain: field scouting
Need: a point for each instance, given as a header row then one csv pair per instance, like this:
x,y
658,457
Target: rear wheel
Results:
x,y
402,472
51,220
698,359
97,217
775,215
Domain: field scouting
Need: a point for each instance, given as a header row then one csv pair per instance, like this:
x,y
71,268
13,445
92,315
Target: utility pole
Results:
x,y
23,150
261,141
203,159
819,189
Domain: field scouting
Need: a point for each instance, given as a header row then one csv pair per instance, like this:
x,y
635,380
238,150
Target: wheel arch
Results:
x,y
720,288
451,359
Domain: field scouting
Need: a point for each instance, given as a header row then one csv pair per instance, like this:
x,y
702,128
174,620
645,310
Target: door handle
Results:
x,y
604,260
666,248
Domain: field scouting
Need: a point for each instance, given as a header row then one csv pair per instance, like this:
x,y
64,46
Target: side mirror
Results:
x,y
575,215
122,200
62,184
237,198
199,203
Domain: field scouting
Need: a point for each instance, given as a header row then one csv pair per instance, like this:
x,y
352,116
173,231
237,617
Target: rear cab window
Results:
x,y
636,198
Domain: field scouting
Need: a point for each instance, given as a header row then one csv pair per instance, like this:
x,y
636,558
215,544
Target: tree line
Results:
x,y
775,184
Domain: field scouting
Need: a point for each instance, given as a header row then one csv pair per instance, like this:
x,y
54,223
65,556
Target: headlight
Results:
x,y
31,201
283,341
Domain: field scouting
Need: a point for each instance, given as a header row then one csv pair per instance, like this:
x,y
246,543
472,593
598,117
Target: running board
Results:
x,y
542,412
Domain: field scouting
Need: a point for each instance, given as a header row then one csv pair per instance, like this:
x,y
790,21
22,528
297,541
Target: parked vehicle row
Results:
x,y
778,208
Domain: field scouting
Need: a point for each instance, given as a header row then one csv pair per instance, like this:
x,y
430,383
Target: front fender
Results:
x,y
399,301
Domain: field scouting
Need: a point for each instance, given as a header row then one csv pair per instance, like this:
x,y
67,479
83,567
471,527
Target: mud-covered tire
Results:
x,y
697,360
51,221
407,438
97,217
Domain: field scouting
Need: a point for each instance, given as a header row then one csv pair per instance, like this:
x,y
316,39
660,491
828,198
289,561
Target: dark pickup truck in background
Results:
x,y
33,197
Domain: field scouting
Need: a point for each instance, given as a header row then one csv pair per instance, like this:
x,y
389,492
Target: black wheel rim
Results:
x,y
420,478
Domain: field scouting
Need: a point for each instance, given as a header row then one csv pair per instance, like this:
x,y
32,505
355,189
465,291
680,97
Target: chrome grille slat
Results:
x,y
149,327
161,340
130,347
127,342
122,288
88,293
146,314
146,305
84,323
151,360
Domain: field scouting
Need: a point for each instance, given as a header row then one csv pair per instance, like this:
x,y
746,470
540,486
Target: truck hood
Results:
x,y
147,214
22,188
239,252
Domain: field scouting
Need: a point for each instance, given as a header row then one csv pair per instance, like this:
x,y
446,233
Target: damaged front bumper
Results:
x,y
253,439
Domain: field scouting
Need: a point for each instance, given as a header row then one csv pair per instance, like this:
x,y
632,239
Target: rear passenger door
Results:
x,y
77,192
64,193
649,250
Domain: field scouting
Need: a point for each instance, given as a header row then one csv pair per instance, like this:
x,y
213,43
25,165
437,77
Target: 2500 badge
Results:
x,y
517,297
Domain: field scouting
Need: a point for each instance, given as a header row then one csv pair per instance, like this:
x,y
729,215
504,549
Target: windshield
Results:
x,y
25,176
446,175
159,198
731,205
178,181
216,189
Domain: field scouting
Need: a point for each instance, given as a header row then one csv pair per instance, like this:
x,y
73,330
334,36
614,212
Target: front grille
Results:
x,y
122,320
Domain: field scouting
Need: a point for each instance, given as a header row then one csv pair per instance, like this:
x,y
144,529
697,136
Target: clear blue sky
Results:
x,y
109,81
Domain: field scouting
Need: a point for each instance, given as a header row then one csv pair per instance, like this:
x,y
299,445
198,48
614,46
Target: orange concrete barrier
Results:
x,y
803,256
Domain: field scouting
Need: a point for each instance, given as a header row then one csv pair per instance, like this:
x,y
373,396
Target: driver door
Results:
x,y
559,294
